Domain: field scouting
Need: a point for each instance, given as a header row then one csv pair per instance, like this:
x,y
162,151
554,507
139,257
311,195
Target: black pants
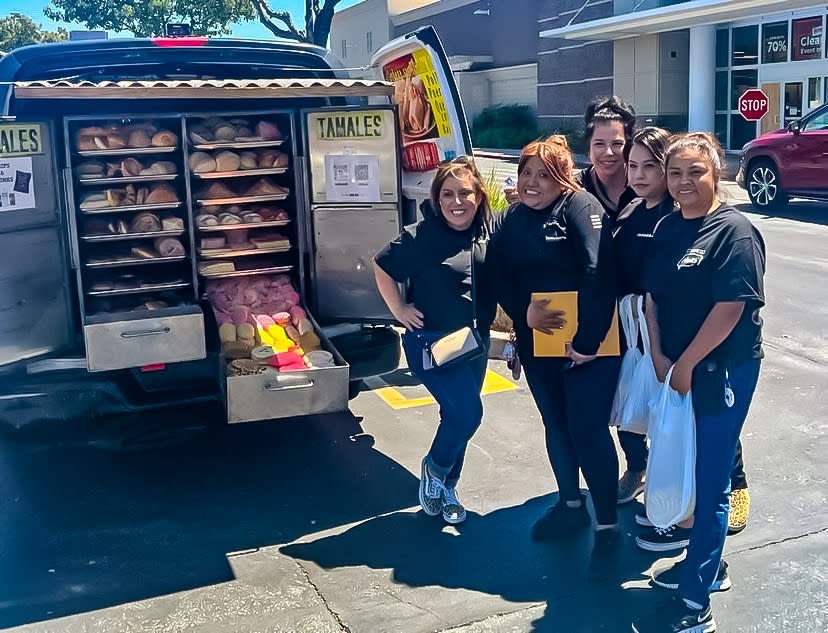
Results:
x,y
575,407
635,450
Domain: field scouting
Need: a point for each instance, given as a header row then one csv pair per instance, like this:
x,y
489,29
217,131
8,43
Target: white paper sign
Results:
x,y
352,178
16,184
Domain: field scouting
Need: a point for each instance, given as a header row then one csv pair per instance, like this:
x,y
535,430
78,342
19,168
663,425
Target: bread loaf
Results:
x,y
94,200
264,187
247,160
268,131
145,223
161,194
169,247
131,167
225,132
202,162
159,168
164,139
206,219
215,191
139,139
91,169
227,161
172,223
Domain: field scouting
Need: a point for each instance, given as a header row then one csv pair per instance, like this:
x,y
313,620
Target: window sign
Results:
x,y
774,43
806,38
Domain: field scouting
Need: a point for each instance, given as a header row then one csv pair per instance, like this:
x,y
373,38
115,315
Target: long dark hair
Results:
x,y
654,140
607,110
454,167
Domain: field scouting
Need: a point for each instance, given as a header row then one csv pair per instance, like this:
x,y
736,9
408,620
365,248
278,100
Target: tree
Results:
x,y
147,18
18,30
318,16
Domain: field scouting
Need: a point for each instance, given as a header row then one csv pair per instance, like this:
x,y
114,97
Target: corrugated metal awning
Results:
x,y
202,89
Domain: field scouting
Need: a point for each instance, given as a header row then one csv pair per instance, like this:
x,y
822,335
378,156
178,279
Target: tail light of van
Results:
x,y
193,40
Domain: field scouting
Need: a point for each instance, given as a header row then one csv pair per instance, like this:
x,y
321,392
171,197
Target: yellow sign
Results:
x,y
346,126
20,139
425,69
555,344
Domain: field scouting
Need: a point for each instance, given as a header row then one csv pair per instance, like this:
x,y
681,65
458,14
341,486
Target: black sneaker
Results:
x,y
560,520
664,539
675,617
642,520
669,578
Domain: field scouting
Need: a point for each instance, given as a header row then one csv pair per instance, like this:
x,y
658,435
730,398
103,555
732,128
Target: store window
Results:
x,y
722,47
741,131
721,129
369,42
741,80
806,39
745,46
721,90
775,42
344,49
814,93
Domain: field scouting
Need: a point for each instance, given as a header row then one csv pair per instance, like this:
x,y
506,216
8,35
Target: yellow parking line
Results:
x,y
493,383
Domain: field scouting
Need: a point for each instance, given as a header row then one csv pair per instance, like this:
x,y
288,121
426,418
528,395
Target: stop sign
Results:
x,y
753,104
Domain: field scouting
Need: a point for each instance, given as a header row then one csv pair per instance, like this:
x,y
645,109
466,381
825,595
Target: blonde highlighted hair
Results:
x,y
556,157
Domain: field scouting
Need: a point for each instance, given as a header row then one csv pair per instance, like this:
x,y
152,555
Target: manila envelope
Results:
x,y
555,344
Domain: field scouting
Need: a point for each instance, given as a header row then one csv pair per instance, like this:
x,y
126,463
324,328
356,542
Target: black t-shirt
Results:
x,y
435,260
522,261
697,263
632,234
593,186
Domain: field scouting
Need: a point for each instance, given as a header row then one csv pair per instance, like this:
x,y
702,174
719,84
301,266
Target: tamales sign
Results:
x,y
349,126
20,139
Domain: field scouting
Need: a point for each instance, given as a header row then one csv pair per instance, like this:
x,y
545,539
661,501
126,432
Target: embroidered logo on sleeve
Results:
x,y
596,221
693,257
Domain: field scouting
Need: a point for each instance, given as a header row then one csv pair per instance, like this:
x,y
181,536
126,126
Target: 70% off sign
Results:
x,y
753,104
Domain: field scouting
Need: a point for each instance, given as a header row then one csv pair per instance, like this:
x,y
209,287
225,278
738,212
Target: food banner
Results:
x,y
423,114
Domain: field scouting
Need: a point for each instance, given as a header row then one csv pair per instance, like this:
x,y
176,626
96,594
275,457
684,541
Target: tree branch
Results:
x,y
323,19
267,17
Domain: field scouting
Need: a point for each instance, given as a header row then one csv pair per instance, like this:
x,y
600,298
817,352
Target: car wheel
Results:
x,y
763,187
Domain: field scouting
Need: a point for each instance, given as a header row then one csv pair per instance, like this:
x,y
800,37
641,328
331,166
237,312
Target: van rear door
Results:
x,y
432,121
36,316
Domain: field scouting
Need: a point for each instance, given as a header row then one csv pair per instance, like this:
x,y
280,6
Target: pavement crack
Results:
x,y
342,626
780,541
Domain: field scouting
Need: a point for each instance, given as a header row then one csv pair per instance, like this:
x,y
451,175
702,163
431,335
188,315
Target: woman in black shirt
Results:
x,y
704,282
436,257
558,239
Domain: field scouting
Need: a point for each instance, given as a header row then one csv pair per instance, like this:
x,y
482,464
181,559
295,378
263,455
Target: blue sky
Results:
x,y
243,29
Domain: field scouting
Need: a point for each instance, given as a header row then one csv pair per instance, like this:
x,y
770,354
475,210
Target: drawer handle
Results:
x,y
139,333
305,385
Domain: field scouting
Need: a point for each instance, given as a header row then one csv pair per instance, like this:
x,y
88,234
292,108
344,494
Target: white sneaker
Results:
x,y
453,510
431,491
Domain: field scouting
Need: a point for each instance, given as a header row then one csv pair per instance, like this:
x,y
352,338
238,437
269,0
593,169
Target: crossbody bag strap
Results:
x,y
473,286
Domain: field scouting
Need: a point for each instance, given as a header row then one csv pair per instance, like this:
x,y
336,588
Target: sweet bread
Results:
x,y
139,139
202,162
161,194
164,139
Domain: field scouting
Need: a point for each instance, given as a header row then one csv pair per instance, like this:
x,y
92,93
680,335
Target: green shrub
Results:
x,y
505,127
497,199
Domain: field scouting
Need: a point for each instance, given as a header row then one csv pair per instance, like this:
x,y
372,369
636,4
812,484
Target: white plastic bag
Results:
x,y
629,322
643,385
670,483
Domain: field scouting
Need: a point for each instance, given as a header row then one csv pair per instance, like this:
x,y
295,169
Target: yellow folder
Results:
x,y
555,344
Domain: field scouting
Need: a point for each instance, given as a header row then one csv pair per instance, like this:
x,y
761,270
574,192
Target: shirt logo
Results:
x,y
644,235
693,257
596,221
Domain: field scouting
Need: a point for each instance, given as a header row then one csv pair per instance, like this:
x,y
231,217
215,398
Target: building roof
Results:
x,y
674,17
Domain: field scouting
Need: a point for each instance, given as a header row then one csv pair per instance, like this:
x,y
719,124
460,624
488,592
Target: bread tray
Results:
x,y
117,237
239,144
247,273
242,200
160,287
222,253
137,261
249,225
127,179
212,175
126,151
131,208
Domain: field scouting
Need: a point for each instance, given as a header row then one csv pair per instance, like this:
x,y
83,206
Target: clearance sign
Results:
x,y
20,139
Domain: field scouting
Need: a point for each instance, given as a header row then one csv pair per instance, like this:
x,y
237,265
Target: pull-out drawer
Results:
x,y
146,340
273,395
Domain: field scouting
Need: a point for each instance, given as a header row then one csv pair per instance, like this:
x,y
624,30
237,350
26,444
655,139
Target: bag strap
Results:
x,y
642,326
559,208
628,321
473,286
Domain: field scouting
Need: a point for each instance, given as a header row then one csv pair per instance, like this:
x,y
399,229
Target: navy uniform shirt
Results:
x,y
696,263
591,184
435,260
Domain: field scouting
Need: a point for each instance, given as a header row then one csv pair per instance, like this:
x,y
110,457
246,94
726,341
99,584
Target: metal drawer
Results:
x,y
167,338
275,395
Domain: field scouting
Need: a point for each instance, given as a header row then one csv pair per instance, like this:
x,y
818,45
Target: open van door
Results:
x,y
432,122
36,317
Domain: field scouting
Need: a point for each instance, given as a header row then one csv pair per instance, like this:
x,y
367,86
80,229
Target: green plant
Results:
x,y
497,199
505,127
572,129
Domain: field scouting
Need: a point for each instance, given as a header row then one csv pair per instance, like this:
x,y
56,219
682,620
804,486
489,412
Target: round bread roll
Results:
x,y
247,160
164,139
139,139
227,161
206,220
202,162
116,141
225,132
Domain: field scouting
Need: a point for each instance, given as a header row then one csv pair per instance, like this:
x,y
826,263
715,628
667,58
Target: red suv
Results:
x,y
792,162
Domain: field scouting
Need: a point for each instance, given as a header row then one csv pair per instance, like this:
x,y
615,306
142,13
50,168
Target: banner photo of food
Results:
x,y
423,116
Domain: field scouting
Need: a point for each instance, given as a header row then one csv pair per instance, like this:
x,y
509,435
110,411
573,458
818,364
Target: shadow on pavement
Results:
x,y
84,529
797,210
494,554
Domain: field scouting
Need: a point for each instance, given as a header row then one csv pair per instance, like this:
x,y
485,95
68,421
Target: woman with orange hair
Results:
x,y
558,238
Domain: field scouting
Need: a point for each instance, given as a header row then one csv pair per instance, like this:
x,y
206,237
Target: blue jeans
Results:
x,y
716,439
575,407
457,391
